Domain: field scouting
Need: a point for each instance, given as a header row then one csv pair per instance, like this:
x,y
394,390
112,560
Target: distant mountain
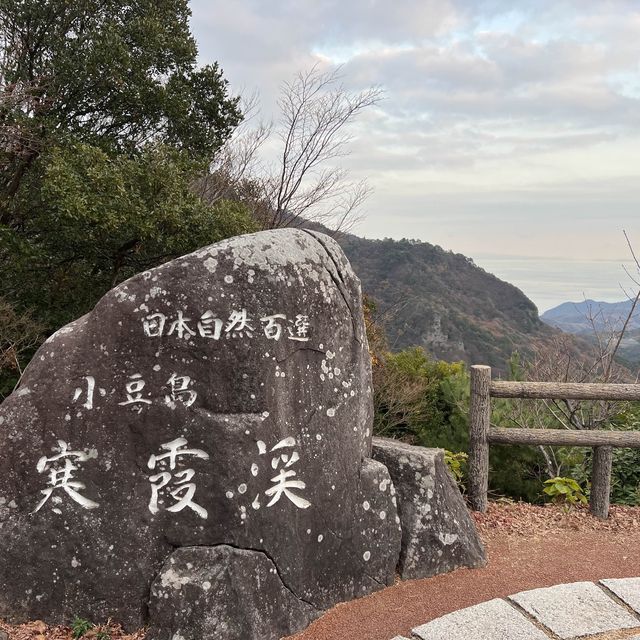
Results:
x,y
580,318
591,317
444,302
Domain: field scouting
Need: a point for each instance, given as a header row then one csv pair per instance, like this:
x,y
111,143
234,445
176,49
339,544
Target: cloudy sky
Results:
x,y
508,128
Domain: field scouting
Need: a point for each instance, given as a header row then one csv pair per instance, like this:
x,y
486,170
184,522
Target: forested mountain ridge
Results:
x,y
591,318
582,317
443,302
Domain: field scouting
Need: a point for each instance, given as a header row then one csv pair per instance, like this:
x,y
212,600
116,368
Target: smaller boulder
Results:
x,y
223,592
438,534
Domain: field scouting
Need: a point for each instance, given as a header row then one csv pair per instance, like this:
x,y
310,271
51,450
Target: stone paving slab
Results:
x,y
566,611
574,610
492,620
627,589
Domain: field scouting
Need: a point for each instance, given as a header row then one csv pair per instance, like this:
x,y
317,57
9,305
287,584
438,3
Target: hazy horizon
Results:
x,y
549,282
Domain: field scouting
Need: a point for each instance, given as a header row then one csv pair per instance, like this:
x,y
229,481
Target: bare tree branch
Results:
x,y
19,333
304,184
561,361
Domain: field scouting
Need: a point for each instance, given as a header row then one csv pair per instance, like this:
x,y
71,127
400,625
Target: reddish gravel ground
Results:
x,y
528,547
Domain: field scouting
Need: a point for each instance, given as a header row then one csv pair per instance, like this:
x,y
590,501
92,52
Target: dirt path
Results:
x,y
528,547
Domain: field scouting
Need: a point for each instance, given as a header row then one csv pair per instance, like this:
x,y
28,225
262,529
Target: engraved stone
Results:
x,y
223,398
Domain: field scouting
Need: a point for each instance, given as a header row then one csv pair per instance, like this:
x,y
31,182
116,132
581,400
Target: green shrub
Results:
x,y
456,462
79,627
564,491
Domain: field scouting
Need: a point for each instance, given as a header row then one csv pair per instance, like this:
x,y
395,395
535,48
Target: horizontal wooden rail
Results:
x,y
481,434
565,438
564,390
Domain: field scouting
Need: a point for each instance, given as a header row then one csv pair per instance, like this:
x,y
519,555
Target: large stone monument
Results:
x,y
194,454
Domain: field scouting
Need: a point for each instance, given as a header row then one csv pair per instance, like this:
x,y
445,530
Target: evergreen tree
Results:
x,y
106,122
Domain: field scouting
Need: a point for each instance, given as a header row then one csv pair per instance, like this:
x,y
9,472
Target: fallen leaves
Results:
x,y
528,520
38,630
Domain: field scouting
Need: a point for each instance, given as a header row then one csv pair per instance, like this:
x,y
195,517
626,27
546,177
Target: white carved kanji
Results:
x,y
134,392
180,327
153,325
284,482
88,392
60,469
184,490
209,326
300,333
273,328
180,391
239,324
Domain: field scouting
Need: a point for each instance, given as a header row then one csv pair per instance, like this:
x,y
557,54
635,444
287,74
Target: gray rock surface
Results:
x,y
575,610
223,398
627,589
438,534
221,592
492,620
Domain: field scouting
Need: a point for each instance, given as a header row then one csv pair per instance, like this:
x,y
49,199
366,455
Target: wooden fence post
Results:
x,y
601,481
479,421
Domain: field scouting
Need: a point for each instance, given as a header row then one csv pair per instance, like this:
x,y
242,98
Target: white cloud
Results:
x,y
504,125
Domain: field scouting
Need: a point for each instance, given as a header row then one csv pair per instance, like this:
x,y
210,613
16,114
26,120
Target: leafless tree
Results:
x,y
19,333
398,398
233,172
563,360
304,184
18,143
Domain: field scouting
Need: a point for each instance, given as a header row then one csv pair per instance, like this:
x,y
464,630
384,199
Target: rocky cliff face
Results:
x,y
442,301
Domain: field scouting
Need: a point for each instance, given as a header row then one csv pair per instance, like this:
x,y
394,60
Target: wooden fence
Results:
x,y
481,433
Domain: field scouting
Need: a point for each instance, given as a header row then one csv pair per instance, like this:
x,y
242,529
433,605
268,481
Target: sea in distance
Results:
x,y
549,282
